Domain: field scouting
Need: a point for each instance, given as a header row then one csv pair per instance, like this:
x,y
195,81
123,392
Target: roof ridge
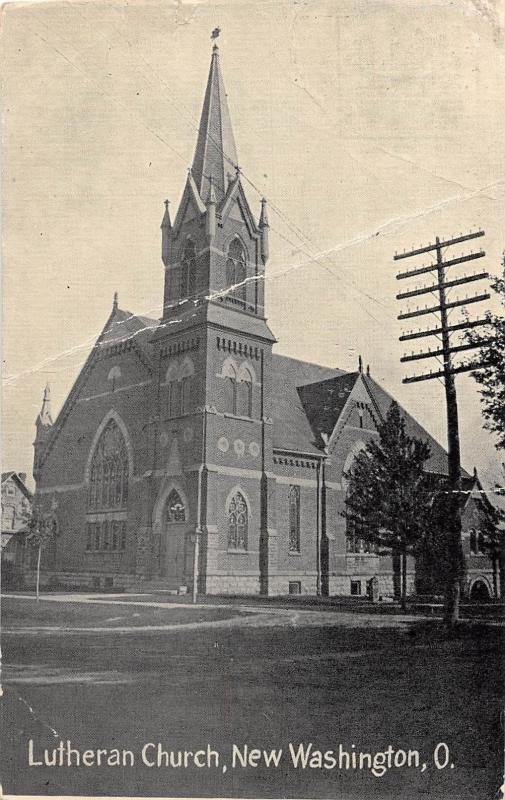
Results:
x,y
311,364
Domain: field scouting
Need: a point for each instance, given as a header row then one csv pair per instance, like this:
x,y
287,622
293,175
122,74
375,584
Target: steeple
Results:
x,y
215,152
214,250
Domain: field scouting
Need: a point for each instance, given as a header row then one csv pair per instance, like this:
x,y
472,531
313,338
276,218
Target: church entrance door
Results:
x,y
173,546
174,555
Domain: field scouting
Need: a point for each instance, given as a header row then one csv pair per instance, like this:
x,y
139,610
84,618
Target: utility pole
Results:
x,y
444,352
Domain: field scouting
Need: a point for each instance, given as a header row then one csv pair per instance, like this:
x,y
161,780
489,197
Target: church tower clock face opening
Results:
x,y
188,456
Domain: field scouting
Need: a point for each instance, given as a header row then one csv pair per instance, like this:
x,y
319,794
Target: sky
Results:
x,y
370,127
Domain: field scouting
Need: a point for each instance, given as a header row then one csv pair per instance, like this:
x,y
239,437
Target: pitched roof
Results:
x,y
309,399
120,326
124,326
292,430
323,402
215,153
19,480
438,460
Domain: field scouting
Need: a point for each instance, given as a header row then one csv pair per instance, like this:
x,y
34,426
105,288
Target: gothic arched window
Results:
x,y
294,519
175,508
237,522
173,398
188,270
108,484
186,374
179,383
481,544
173,391
236,272
230,392
473,541
244,394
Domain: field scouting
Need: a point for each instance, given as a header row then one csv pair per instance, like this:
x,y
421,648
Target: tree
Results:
x,y
492,376
41,531
441,552
388,503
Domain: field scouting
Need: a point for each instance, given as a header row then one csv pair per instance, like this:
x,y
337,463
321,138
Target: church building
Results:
x,y
188,453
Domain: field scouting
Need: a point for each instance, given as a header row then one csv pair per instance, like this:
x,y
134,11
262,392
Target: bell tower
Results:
x,y
215,251
214,340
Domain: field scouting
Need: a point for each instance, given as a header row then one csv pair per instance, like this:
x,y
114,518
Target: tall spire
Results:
x,y
215,152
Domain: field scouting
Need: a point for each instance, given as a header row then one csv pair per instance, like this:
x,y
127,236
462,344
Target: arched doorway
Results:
x,y
479,593
175,545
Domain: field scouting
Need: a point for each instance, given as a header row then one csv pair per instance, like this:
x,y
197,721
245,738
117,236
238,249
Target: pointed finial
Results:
x,y
215,33
263,223
166,222
475,473
360,364
238,171
44,418
115,301
368,370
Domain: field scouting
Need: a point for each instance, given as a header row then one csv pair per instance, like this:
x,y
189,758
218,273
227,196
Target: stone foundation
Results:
x,y
232,584
341,584
294,584
280,584
84,581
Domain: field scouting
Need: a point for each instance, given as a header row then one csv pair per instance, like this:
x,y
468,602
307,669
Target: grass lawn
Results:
x,y
20,613
405,686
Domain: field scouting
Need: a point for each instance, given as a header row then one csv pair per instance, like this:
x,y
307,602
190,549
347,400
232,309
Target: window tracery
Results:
x,y
175,508
188,271
108,486
236,273
238,521
244,394
108,491
294,519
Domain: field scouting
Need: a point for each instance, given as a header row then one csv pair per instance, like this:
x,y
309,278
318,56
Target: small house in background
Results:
x,y
16,505
483,545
